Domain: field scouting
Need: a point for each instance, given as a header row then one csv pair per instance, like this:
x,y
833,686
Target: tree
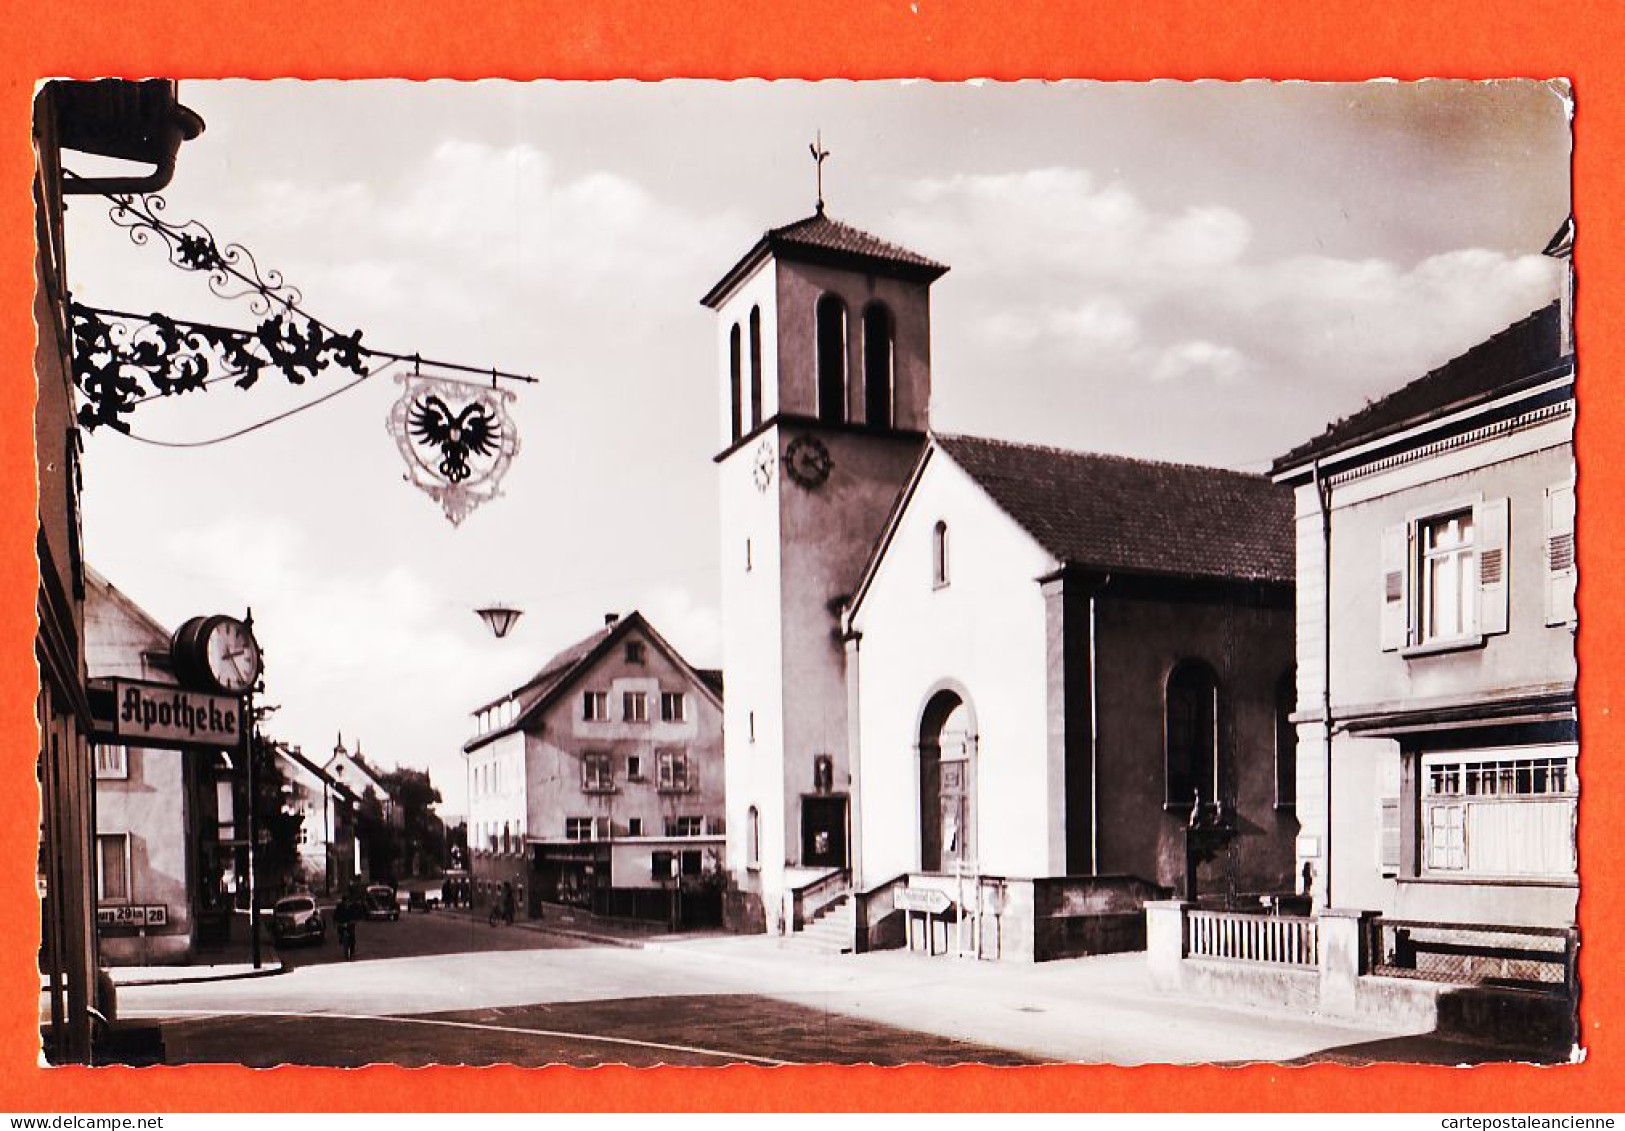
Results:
x,y
380,838
423,834
276,848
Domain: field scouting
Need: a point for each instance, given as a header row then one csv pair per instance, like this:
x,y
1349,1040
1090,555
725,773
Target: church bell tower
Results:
x,y
824,341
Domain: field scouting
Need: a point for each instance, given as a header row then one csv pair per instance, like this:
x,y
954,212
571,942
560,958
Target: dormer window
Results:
x,y
878,382
939,555
831,316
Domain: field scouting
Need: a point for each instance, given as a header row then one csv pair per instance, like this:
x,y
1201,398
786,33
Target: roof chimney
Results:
x,y
610,619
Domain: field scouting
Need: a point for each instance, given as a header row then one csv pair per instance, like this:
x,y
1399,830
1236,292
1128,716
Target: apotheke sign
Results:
x,y
166,715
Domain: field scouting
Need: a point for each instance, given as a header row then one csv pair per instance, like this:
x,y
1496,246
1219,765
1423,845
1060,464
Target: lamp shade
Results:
x,y
499,618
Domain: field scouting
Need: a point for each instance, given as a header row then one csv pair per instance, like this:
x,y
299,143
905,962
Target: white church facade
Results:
x,y
976,689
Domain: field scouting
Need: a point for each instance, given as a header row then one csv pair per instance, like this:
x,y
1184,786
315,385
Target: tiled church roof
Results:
x,y
819,239
1136,516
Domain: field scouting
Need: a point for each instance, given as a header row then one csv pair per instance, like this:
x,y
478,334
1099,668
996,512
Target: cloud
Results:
x,y
1070,283
1199,359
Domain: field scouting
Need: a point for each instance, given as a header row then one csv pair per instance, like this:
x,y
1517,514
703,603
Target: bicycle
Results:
x,y
347,939
500,914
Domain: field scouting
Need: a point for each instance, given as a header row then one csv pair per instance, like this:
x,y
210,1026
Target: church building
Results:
x,y
977,689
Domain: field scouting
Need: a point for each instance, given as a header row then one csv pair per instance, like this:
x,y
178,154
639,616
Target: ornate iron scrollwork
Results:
x,y
122,359
233,271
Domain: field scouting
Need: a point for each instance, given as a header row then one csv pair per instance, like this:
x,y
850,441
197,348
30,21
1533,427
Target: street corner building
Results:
x,y
143,123
1437,761
598,782
164,860
1437,572
983,697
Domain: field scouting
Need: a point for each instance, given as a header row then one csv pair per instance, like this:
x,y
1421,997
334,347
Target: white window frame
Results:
x,y
112,762
673,707
1438,568
635,706
666,771
1408,567
595,706
1451,782
123,849
686,825
597,772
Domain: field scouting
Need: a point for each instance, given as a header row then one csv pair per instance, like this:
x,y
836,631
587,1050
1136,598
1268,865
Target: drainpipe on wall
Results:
x,y
1323,495
1094,734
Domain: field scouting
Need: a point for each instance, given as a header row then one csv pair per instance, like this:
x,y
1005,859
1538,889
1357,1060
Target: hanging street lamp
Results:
x,y
499,618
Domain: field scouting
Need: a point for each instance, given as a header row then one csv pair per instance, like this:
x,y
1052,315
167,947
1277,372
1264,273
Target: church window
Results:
x,y
939,555
877,366
737,410
1286,743
755,367
831,360
1191,722
753,842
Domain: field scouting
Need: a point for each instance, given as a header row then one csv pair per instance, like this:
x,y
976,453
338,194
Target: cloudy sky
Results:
x,y
1206,273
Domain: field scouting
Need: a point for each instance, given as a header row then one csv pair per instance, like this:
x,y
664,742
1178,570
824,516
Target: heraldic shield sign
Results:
x,y
456,438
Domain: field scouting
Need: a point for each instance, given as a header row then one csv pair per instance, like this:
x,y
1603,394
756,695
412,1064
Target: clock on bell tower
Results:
x,y
824,340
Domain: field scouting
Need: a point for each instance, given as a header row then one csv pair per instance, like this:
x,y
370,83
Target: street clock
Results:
x,y
217,652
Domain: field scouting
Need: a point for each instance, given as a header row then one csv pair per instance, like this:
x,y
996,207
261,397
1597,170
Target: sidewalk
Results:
x,y
177,975
575,923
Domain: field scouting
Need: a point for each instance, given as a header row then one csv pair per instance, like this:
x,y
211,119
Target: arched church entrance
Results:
x,y
947,781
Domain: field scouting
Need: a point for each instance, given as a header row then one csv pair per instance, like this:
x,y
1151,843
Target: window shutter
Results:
x,y
1388,835
1560,563
1395,609
1490,536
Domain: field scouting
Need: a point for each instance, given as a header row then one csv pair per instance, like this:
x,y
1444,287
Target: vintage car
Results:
x,y
381,904
297,919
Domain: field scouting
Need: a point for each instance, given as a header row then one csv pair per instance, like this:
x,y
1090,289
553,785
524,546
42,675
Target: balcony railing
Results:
x,y
1275,940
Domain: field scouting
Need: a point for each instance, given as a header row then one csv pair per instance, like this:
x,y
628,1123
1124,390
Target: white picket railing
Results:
x,y
1275,940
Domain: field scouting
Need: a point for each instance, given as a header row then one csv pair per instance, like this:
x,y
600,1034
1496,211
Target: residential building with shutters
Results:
x,y
598,782
1437,758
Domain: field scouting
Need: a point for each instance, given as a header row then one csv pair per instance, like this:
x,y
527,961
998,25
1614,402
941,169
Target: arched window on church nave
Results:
x,y
1191,734
939,555
755,368
753,839
1286,741
878,382
507,841
737,417
831,359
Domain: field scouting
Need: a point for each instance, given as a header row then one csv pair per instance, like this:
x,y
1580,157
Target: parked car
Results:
x,y
381,902
297,919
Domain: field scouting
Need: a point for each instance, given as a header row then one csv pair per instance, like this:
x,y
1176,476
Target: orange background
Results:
x,y
1329,40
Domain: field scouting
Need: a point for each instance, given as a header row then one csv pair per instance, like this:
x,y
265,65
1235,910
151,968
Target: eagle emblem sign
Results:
x,y
456,438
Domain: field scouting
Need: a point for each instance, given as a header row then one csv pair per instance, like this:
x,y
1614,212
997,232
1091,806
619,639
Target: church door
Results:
x,y
947,785
823,832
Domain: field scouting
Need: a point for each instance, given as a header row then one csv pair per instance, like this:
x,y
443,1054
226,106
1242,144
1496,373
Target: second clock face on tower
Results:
x,y
807,462
761,468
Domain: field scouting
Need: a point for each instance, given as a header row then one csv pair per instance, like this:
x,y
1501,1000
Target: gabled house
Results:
x,y
352,771
1055,657
162,864
330,855
1438,762
598,781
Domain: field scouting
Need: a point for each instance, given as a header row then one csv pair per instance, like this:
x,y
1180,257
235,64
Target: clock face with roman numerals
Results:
x,y
761,467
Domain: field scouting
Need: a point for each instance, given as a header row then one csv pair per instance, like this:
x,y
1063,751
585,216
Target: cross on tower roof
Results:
x,y
819,154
